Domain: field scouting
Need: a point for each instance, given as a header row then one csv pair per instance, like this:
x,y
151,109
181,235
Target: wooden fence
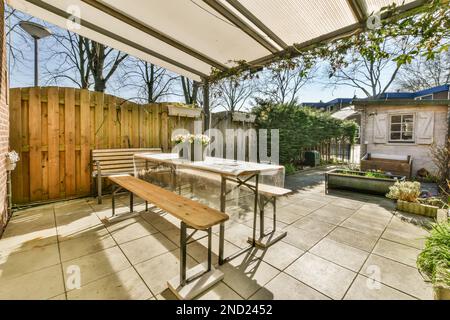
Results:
x,y
54,130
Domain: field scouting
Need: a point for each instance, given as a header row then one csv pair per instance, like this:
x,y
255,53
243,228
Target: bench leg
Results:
x,y
183,247
261,217
146,206
209,248
99,189
113,200
131,201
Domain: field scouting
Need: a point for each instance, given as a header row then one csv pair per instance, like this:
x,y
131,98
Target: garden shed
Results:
x,y
404,128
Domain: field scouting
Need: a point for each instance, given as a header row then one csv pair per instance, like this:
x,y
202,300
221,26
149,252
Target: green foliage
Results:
x,y
290,168
405,191
434,260
301,127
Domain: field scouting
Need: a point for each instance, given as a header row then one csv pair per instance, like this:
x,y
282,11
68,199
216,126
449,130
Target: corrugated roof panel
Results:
x,y
297,21
107,22
196,25
373,6
61,22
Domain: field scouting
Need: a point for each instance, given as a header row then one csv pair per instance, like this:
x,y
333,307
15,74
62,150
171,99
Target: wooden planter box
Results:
x,y
336,179
417,208
441,292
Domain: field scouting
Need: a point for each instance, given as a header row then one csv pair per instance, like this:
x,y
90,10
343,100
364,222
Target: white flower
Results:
x,y
13,156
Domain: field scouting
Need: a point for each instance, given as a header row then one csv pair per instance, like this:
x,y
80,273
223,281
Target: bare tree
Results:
x,y
190,90
103,62
281,83
67,59
423,74
18,41
151,83
372,68
232,94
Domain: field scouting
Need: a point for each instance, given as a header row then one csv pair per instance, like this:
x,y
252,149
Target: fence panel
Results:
x,y
54,130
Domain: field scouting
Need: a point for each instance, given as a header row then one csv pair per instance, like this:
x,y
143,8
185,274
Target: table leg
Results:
x,y
223,187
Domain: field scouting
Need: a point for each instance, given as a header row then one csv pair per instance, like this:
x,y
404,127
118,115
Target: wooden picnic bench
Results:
x,y
193,215
107,162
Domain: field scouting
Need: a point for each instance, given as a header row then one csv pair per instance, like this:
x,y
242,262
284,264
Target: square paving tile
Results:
x,y
247,274
340,254
157,271
397,275
353,238
364,288
43,284
284,287
300,238
405,233
84,244
324,276
313,225
97,265
347,203
280,255
130,229
123,285
147,247
332,214
23,262
396,251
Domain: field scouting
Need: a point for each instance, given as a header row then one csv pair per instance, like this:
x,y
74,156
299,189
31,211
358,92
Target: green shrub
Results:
x,y
434,260
301,127
404,190
290,168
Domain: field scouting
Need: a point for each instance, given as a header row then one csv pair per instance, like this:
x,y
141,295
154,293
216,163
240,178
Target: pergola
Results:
x,y
192,37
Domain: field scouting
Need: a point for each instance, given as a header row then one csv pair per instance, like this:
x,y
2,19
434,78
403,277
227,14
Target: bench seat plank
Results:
x,y
194,214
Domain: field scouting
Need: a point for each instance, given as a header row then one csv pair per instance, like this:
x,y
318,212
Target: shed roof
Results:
x,y
190,37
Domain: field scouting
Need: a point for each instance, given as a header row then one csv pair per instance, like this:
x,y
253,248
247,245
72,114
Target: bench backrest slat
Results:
x,y
118,160
194,214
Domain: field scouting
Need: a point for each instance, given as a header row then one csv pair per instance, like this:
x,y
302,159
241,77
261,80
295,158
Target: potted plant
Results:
x,y
194,146
434,260
12,158
407,194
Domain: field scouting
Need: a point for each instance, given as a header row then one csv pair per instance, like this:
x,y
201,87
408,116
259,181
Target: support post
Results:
x,y
206,104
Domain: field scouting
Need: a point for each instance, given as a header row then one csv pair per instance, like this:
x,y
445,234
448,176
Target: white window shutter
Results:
x,y
425,127
380,128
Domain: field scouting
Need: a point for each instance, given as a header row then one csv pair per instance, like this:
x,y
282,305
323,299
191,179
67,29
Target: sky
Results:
x,y
22,75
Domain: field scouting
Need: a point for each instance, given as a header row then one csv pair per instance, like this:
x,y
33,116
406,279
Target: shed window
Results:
x,y
402,128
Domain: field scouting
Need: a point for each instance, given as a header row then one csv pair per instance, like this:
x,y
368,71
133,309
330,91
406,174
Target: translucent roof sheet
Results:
x,y
190,37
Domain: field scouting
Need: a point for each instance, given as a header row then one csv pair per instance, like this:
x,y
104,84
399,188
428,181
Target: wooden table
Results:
x,y
240,172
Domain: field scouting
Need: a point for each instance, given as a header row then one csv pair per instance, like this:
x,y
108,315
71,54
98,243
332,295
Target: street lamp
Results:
x,y
36,31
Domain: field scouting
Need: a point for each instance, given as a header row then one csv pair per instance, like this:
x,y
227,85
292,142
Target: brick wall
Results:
x,y
4,118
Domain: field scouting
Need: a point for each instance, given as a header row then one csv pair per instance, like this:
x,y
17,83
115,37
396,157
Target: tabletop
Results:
x,y
220,166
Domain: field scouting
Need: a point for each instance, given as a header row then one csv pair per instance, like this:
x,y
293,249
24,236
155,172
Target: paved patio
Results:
x,y
339,246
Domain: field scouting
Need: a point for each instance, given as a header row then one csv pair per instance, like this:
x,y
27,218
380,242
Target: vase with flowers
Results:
x,y
192,147
12,158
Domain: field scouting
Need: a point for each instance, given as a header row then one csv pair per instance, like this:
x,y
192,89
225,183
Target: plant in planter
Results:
x,y
194,146
360,181
407,195
12,158
434,260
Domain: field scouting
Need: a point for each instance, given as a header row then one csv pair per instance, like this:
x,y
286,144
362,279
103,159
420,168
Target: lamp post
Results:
x,y
37,32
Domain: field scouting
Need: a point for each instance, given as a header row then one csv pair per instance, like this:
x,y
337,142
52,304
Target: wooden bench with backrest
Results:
x,y
193,215
400,165
107,162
